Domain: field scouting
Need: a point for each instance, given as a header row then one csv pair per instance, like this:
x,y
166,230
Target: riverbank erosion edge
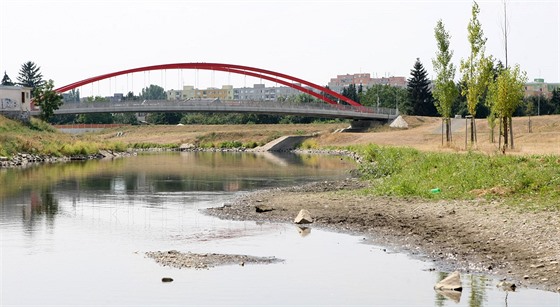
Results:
x,y
474,236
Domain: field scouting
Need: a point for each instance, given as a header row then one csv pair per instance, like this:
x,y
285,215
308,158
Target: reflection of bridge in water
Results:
x,y
309,109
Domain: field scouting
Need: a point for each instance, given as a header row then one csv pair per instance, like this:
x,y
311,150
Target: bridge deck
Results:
x,y
234,106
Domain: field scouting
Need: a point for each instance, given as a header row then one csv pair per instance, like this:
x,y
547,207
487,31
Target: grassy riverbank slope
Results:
x,y
38,137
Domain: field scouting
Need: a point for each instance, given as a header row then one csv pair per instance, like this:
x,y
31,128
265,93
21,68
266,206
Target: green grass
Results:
x,y
528,182
148,145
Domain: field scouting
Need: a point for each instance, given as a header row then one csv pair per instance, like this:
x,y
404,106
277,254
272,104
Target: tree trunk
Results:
x,y
511,131
506,132
442,122
500,133
449,134
472,130
492,134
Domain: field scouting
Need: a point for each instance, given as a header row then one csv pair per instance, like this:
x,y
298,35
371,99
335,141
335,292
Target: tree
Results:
x,y
555,100
47,99
6,80
72,96
125,118
351,92
420,98
506,94
163,118
476,69
385,96
445,91
153,92
30,75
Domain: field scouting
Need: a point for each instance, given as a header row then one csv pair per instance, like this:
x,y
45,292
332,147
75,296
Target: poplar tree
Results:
x,y
445,90
506,94
476,69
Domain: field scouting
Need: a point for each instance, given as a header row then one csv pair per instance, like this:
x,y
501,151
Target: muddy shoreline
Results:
x,y
474,236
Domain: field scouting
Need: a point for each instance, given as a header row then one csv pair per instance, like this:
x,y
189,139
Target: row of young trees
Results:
x,y
483,80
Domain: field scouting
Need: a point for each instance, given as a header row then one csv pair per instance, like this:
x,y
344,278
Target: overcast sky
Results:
x,y
314,40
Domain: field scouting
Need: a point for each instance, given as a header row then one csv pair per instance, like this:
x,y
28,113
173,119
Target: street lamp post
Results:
x,y
539,102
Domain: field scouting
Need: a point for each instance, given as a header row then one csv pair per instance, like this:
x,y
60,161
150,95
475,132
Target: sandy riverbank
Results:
x,y
471,236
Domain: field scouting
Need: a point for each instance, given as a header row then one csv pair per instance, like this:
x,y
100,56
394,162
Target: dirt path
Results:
x,y
474,236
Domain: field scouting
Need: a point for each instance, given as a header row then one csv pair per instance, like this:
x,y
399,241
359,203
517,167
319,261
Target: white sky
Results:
x,y
73,40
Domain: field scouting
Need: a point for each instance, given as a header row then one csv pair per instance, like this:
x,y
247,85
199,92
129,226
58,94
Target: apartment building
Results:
x,y
539,87
341,81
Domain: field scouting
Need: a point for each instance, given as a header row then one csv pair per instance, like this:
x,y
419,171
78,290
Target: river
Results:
x,y
77,234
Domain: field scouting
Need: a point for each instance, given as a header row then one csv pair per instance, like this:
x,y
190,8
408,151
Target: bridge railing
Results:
x,y
225,104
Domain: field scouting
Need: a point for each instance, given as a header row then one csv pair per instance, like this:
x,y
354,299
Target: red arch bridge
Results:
x,y
334,105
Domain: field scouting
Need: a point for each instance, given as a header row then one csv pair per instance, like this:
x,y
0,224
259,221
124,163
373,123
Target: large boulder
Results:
x,y
451,282
303,217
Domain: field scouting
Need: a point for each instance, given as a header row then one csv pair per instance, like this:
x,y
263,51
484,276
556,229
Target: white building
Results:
x,y
15,98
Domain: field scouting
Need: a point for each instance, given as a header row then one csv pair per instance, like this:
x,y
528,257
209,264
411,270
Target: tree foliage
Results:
x,y
30,75
506,95
72,96
125,118
385,96
477,68
351,92
6,80
47,99
445,90
164,118
420,98
153,92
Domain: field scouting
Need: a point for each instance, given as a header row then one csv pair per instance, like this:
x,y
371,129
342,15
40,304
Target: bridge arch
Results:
x,y
237,69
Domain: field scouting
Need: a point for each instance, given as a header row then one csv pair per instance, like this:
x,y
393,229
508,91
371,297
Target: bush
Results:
x,y
231,144
309,144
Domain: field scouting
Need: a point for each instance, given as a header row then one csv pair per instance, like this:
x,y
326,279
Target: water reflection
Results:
x,y
42,205
163,172
452,295
34,189
478,285
303,231
477,296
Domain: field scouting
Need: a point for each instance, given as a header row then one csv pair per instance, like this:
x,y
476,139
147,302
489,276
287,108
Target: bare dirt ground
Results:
x,y
424,133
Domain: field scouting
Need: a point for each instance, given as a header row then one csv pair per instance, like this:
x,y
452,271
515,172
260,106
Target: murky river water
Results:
x,y
76,234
